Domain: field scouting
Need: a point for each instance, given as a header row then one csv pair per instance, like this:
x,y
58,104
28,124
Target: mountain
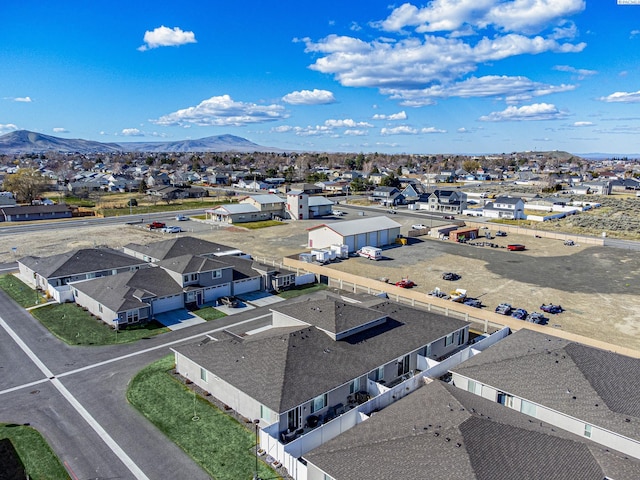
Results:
x,y
24,141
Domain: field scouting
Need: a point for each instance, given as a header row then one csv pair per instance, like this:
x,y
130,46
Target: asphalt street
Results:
x,y
75,397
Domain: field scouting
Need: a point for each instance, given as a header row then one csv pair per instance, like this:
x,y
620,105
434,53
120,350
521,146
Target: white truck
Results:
x,y
372,253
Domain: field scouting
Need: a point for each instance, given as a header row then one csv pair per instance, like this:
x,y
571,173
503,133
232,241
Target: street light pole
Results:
x,y
255,475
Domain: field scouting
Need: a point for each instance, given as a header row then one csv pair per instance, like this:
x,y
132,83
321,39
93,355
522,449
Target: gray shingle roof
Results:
x,y
598,387
440,431
79,261
285,368
176,247
124,291
192,264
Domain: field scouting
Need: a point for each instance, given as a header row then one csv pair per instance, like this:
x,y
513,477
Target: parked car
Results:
x,y
391,211
337,213
450,276
520,313
405,283
515,247
536,317
418,226
551,308
229,301
504,309
569,243
156,225
449,217
501,233
181,218
172,229
473,302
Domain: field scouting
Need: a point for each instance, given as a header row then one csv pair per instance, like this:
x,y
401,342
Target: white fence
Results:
x,y
289,453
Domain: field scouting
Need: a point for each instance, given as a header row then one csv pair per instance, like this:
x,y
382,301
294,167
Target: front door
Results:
x,y
199,297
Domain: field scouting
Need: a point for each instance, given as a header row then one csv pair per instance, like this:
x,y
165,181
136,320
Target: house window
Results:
x,y
474,387
100,308
528,408
319,403
461,337
217,274
186,278
194,277
505,399
378,374
427,351
265,413
203,374
403,365
354,386
448,340
587,430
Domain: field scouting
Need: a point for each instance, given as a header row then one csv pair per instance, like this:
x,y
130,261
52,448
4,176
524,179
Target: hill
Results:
x,y
24,141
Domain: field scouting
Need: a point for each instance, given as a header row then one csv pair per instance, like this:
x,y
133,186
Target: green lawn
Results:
x,y
263,224
159,207
37,457
23,295
302,290
217,442
73,325
210,313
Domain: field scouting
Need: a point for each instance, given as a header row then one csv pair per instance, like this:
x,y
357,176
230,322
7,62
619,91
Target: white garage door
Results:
x,y
361,240
246,286
214,293
372,238
350,242
167,304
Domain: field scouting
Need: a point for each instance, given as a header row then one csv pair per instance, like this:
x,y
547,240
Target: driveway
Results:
x,y
178,319
260,299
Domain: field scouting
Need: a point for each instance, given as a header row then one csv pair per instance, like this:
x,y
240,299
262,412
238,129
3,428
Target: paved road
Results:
x,y
75,396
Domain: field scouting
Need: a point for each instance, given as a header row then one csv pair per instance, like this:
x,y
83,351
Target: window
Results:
x,y
203,374
587,430
474,387
448,340
427,351
319,403
378,374
265,413
460,337
100,308
505,399
354,386
217,274
403,365
528,408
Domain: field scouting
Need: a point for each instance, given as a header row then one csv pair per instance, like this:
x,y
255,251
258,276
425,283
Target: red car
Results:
x,y
405,283
514,247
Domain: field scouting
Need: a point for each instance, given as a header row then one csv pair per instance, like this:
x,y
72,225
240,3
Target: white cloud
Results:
x,y
222,111
401,130
356,132
23,99
536,111
581,72
309,97
394,116
622,97
462,130
509,88
60,130
432,130
582,124
7,127
166,37
346,122
634,33
132,132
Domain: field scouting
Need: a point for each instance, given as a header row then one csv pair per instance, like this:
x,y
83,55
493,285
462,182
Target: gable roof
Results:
x,y
596,386
176,247
363,225
79,261
454,435
265,199
285,367
126,291
192,263
234,208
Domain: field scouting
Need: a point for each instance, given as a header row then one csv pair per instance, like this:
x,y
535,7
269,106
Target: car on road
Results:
x,y
504,309
181,218
449,217
418,226
405,283
337,213
450,276
393,212
551,308
520,313
172,229
228,301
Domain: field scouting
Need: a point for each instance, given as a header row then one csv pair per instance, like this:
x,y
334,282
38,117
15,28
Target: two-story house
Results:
x,y
511,208
444,201
388,196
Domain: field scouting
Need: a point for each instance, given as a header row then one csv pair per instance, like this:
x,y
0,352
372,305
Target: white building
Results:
x,y
373,231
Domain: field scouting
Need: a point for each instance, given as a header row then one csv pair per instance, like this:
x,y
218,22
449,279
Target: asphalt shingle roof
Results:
x,y
285,368
596,386
176,247
440,431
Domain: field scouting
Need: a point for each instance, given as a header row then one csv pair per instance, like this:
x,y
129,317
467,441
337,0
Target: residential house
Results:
x,y
444,201
178,246
271,204
368,231
440,431
505,207
566,385
308,188
25,213
388,196
319,358
333,186
236,213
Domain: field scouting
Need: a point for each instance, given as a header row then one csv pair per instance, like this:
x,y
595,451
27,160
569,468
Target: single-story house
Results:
x,y
236,213
25,213
368,231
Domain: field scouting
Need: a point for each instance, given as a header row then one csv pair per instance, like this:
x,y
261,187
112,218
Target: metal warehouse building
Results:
x,y
373,231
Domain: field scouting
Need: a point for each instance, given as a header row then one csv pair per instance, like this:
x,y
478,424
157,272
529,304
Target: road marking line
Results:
x,y
25,385
106,438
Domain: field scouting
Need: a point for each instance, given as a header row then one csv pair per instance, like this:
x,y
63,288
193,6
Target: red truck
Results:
x,y
515,247
156,225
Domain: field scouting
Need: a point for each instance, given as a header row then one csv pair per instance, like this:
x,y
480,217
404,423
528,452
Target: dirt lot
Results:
x,y
599,287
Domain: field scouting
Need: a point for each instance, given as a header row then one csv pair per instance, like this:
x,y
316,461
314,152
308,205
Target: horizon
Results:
x,y
452,76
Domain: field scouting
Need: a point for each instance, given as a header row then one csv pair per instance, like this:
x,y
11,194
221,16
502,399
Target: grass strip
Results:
x,y
22,294
75,326
37,457
222,446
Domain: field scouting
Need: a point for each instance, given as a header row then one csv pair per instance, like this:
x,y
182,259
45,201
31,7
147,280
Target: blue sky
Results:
x,y
446,76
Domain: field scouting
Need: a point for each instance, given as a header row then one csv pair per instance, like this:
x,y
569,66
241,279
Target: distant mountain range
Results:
x,y
24,141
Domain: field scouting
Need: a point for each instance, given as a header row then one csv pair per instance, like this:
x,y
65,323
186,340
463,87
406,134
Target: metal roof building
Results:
x,y
372,231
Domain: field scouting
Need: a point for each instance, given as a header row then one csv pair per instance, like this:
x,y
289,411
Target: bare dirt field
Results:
x,y
599,287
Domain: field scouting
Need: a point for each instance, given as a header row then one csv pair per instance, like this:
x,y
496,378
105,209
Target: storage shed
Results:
x,y
373,231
